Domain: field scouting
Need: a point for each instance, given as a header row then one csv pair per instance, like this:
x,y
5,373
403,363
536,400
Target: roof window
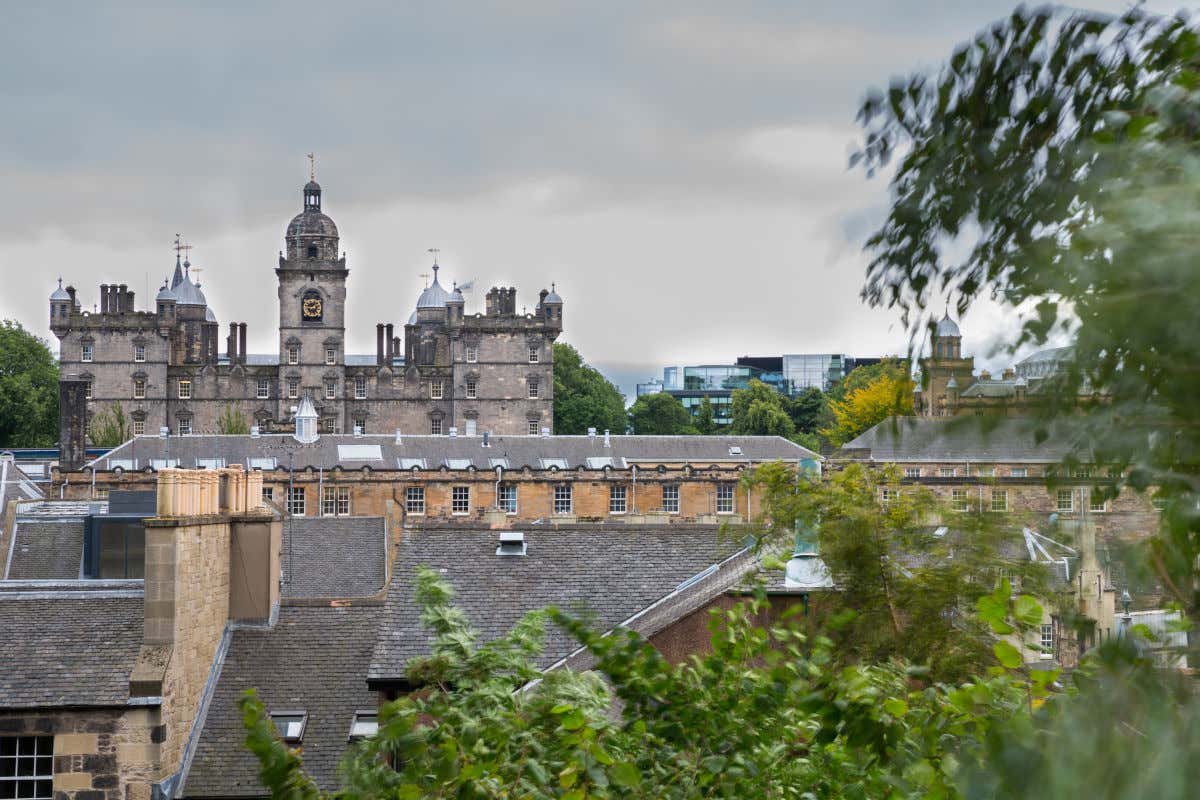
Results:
x,y
735,450
360,452
554,463
498,462
262,463
366,723
409,463
210,463
599,462
290,724
512,543
118,463
164,463
458,463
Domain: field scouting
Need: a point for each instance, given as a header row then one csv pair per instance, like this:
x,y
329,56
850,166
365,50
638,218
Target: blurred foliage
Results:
x,y
28,389
583,398
109,427
660,414
231,420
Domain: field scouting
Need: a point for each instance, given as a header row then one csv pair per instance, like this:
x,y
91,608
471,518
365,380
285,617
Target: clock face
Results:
x,y
311,308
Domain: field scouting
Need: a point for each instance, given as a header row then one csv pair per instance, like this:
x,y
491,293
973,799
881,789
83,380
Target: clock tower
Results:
x,y
312,324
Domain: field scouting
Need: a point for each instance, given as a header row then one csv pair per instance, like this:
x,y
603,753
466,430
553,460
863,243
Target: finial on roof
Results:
x,y
312,166
435,251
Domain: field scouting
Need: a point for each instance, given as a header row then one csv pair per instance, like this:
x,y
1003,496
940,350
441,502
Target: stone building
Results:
x,y
489,371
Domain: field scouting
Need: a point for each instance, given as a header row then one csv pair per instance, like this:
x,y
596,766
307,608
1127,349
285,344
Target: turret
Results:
x,y
60,308
550,307
455,306
306,422
165,304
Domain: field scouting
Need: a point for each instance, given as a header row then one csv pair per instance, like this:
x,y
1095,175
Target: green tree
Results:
x,y
28,389
583,398
809,410
861,377
660,414
758,410
231,420
109,427
888,395
1061,155
706,423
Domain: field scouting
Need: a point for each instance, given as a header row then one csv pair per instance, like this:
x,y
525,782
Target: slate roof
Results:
x,y
991,439
73,648
333,556
991,388
313,660
46,550
17,486
520,451
611,574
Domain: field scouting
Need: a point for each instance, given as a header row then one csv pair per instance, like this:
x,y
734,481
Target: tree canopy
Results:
x,y
706,422
583,398
758,410
660,414
888,394
28,389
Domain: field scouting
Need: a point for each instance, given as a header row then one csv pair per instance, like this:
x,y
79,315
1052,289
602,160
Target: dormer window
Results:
x,y
312,251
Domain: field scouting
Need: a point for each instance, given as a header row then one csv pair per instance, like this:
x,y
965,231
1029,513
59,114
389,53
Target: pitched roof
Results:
x,y
609,574
313,660
333,556
520,451
999,439
46,550
73,649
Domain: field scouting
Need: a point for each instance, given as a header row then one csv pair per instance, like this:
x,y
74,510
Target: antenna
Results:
x,y
312,167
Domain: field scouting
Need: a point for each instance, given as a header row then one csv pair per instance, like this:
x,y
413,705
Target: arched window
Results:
x,y
312,251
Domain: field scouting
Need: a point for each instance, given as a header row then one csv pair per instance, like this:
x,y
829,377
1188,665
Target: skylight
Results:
x,y
458,463
210,463
366,723
164,463
409,463
122,463
498,462
554,463
262,463
599,462
360,452
290,724
735,450
512,543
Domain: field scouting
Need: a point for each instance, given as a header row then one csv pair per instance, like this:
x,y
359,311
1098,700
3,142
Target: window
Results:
x,y
296,501
293,386
471,388
1065,500
185,389
532,386
435,426
1047,637
268,493
534,355
360,387
946,472
116,549
1018,472
330,356
87,389
1081,472
1098,504
507,499
562,498
533,426
960,500
890,496
185,426
139,427
27,767
616,499
139,353
670,498
435,390
472,354
360,424
290,724
139,388
985,472
86,353
912,472
724,498
330,389
328,424
414,500
293,354
264,388
999,500
335,501
460,499
311,251
366,723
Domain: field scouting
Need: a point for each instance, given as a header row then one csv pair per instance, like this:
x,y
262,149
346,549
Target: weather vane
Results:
x,y
312,166
178,244
435,252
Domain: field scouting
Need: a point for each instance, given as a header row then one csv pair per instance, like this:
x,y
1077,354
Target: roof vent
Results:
x,y
607,440
453,431
512,543
487,438
545,433
735,450
164,432
254,432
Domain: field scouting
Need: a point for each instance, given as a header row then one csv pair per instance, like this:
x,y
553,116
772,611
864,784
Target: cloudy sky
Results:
x,y
678,169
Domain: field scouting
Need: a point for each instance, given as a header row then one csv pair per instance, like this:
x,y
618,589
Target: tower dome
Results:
x,y
60,293
435,296
947,327
312,234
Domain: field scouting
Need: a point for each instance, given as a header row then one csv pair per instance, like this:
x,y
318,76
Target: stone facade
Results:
x,y
489,371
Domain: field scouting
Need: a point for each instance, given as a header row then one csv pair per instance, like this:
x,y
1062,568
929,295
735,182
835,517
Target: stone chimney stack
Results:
x,y
379,344
391,342
241,343
72,423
